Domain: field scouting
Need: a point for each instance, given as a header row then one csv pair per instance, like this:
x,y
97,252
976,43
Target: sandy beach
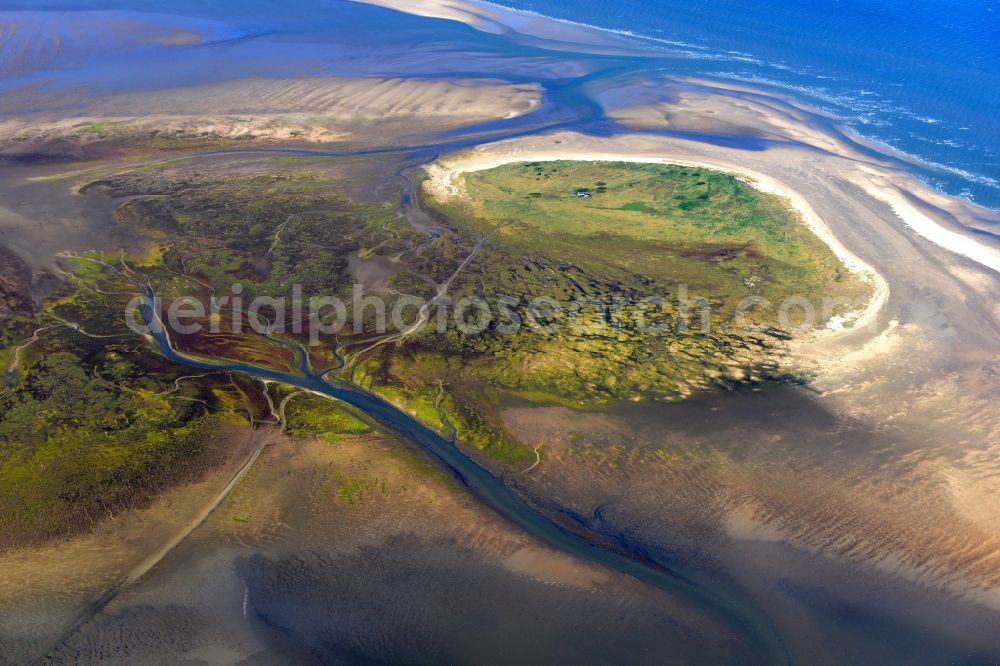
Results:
x,y
858,506
445,180
762,114
882,224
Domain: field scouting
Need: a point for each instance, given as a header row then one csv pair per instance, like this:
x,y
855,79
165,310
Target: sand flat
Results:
x,y
308,110
867,212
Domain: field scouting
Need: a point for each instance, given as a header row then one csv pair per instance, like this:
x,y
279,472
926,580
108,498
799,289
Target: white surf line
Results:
x,y
495,18
478,16
442,175
927,228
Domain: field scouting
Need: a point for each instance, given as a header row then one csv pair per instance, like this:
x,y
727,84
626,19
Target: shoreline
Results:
x,y
441,178
921,224
496,19
850,516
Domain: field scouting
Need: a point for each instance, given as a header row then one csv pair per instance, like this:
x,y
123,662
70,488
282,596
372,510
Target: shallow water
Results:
x,y
921,78
705,594
39,219
309,38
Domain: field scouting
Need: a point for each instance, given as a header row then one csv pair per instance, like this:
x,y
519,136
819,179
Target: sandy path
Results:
x,y
49,591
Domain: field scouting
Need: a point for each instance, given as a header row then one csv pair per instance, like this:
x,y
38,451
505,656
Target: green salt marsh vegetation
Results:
x,y
94,423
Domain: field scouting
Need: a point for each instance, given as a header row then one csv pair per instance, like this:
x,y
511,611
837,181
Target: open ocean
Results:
x,y
896,465
922,76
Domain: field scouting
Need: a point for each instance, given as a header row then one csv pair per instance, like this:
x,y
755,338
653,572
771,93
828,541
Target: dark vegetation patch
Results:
x,y
97,425
94,430
16,303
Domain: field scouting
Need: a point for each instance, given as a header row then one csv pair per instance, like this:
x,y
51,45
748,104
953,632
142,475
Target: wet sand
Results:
x,y
46,590
355,550
860,513
311,110
775,490
898,479
884,516
917,319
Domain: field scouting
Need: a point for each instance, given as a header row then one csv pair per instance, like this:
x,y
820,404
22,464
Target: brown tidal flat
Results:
x,y
45,590
887,468
773,489
857,513
357,549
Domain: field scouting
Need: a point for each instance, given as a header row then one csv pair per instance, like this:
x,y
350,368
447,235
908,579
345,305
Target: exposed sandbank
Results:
x,y
882,188
311,110
478,17
496,19
901,372
443,183
727,109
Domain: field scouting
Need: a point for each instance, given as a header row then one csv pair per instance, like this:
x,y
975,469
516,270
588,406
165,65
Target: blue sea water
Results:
x,y
922,76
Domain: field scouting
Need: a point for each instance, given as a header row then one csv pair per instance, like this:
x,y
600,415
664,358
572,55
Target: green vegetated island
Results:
x,y
96,422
